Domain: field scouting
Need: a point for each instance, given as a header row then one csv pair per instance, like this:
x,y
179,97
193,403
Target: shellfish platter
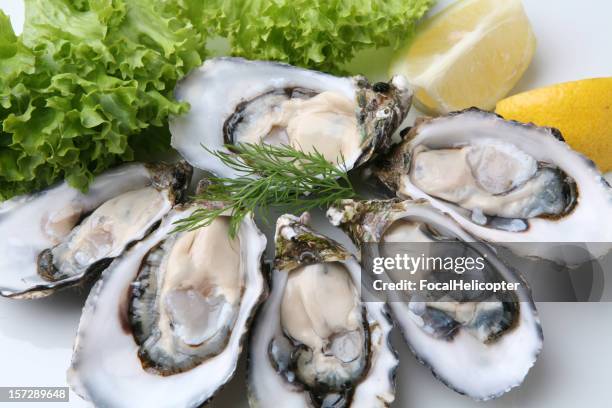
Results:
x,y
231,269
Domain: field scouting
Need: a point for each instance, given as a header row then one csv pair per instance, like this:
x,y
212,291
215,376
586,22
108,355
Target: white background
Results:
x,y
575,367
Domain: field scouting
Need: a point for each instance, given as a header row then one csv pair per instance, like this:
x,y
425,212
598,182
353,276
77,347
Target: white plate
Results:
x,y
574,369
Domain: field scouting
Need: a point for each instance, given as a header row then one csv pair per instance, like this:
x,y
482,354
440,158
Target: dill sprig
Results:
x,y
269,176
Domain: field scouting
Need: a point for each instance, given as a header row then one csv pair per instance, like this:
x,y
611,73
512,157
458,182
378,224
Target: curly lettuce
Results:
x,y
320,34
85,82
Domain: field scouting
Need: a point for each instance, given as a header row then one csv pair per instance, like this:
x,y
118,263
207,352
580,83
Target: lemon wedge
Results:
x,y
581,110
470,54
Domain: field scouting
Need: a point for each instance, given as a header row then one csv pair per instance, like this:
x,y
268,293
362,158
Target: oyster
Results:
x,y
164,325
239,101
479,347
60,236
506,182
315,343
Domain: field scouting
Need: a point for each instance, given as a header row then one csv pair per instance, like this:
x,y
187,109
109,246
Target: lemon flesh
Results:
x,y
470,54
581,110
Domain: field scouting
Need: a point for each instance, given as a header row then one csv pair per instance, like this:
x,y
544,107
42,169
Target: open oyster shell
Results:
x,y
235,100
60,236
478,348
506,182
164,325
315,343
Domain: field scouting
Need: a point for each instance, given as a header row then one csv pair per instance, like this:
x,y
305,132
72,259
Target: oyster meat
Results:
x,y
481,347
60,236
164,325
239,101
506,182
315,343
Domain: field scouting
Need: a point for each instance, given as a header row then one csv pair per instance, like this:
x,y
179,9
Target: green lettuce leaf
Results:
x,y
86,82
320,34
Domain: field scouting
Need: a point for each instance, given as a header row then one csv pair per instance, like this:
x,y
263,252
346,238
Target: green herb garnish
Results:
x,y
270,176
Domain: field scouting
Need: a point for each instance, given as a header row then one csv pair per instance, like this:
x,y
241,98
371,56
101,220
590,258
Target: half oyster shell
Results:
x,y
237,101
164,325
480,348
60,236
315,343
506,182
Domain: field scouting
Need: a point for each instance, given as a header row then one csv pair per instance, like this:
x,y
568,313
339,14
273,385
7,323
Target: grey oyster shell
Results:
x,y
349,362
505,182
60,237
234,100
165,324
483,353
